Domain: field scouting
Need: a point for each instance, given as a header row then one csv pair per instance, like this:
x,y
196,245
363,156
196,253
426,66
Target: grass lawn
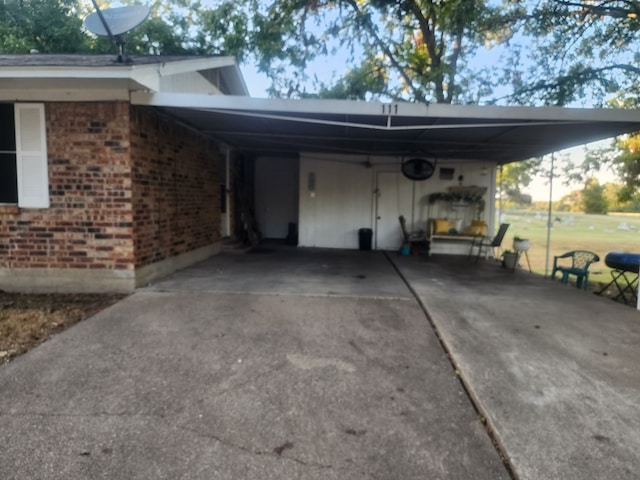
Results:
x,y
573,231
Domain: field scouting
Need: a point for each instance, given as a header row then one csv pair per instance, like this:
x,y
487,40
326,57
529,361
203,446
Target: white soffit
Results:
x,y
500,134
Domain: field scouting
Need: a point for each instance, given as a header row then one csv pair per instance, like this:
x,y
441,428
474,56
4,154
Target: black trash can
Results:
x,y
364,236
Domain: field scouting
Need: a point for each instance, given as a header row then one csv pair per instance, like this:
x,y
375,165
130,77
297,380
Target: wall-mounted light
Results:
x,y
484,171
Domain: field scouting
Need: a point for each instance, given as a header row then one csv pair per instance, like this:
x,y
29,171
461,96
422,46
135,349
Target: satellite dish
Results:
x,y
116,21
418,168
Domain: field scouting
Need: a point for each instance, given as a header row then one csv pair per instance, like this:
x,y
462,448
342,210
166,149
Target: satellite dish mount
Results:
x,y
115,22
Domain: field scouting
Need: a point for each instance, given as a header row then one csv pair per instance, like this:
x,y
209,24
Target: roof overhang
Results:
x,y
461,132
142,73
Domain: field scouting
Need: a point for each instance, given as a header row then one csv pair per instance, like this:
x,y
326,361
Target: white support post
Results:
x,y
549,220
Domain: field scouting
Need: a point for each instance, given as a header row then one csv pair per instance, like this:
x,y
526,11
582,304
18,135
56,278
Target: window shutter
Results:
x,y
31,156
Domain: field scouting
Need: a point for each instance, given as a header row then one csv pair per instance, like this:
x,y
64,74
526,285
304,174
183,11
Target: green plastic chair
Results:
x,y
580,261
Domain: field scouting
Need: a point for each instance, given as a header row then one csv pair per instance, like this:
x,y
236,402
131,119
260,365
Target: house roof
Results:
x,y
280,126
138,72
88,61
461,132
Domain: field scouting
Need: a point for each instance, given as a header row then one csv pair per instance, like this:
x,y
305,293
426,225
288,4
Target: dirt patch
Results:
x,y
27,320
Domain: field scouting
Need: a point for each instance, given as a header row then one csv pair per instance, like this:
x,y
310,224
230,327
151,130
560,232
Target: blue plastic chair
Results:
x,y
580,261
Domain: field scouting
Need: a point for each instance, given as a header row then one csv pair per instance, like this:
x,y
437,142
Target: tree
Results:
x,y
48,27
414,50
578,50
514,176
593,198
571,202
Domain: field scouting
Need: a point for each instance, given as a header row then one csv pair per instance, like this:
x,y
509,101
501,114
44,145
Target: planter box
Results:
x,y
509,260
521,245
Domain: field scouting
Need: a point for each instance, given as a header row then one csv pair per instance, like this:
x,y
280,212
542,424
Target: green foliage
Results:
x,y
570,203
414,50
622,156
47,26
514,176
580,50
401,49
593,198
365,82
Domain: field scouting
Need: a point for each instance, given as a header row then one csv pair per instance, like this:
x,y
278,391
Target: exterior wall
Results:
x,y
176,194
87,231
133,197
353,192
338,204
192,82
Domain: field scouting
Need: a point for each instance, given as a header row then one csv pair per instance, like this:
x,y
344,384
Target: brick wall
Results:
x,y
89,223
176,194
128,188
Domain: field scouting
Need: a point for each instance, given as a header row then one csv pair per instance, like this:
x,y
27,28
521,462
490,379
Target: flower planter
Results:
x,y
521,244
509,260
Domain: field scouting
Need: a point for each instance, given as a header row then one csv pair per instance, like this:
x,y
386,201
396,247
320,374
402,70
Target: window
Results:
x,y
24,177
8,168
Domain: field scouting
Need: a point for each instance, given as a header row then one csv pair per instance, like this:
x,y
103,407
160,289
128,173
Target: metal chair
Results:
x,y
580,261
416,240
483,243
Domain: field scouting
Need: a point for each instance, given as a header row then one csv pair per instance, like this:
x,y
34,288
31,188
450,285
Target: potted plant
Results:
x,y
509,259
521,244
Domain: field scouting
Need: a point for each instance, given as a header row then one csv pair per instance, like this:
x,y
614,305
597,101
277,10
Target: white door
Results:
x,y
394,198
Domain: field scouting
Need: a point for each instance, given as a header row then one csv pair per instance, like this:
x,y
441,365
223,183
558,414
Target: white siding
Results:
x,y
345,199
341,204
191,82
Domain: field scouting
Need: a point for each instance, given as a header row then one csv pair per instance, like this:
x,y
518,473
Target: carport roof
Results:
x,y
467,132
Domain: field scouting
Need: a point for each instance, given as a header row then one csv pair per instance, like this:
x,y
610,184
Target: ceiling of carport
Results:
x,y
500,134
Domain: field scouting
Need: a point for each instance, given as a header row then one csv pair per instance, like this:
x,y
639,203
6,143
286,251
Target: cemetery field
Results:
x,y
573,231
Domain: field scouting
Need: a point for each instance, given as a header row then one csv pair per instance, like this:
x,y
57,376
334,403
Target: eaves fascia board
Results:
x,y
143,79
243,103
64,72
354,107
560,114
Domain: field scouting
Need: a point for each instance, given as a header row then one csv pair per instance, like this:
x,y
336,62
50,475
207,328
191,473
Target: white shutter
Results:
x,y
31,156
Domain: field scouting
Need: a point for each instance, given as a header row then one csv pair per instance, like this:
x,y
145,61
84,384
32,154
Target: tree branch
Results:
x,y
578,78
604,9
385,48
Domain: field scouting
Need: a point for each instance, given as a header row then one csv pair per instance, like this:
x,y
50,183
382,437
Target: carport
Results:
x,y
312,157
463,132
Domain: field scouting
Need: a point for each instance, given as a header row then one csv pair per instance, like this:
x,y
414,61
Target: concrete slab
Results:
x,y
204,384
554,368
278,269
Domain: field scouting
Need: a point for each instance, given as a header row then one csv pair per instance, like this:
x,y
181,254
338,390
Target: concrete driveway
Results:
x,y
311,364
296,365
553,368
